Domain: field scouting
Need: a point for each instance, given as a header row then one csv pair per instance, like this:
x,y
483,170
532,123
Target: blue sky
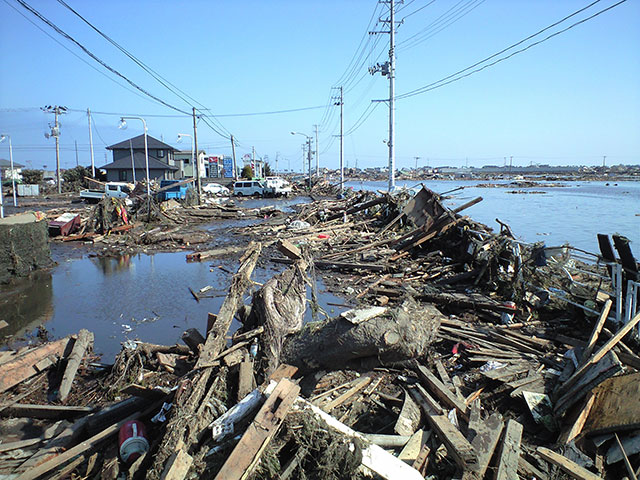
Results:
x,y
569,100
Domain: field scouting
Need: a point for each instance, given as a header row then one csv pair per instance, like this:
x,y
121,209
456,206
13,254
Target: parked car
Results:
x,y
216,189
248,188
111,189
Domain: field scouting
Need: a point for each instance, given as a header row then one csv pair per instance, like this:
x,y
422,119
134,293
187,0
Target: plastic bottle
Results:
x,y
133,441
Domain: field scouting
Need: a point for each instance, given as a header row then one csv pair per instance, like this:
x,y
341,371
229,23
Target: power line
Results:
x,y
439,83
93,56
415,11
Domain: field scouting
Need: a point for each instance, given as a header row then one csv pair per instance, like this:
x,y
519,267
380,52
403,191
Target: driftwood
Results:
x,y
336,343
279,307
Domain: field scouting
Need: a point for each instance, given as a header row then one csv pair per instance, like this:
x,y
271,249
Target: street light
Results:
x,y
123,126
193,165
3,137
308,152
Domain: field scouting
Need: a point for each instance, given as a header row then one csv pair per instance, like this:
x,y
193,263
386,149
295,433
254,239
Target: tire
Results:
x,y
239,194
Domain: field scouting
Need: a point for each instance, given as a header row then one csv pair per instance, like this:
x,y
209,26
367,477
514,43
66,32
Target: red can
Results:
x,y
132,440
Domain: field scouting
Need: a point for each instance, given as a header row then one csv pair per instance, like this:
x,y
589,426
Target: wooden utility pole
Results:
x,y
57,137
317,153
195,146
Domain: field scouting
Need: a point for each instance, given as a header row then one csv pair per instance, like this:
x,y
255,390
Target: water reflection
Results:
x,y
26,303
111,265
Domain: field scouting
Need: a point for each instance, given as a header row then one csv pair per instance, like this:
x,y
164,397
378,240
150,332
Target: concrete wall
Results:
x,y
24,246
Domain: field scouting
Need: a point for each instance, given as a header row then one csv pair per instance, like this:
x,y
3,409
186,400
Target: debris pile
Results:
x,y
467,354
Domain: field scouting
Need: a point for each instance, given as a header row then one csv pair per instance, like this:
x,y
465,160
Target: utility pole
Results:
x,y
253,160
304,152
604,161
340,102
309,160
277,154
55,133
416,159
93,165
233,152
195,148
317,154
389,69
510,165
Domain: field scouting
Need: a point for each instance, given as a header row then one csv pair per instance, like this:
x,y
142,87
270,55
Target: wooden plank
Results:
x,y
246,454
177,466
84,341
412,449
46,411
441,391
19,369
484,436
193,339
409,418
570,432
627,464
459,448
363,382
444,376
288,249
600,353
615,406
593,338
568,466
509,452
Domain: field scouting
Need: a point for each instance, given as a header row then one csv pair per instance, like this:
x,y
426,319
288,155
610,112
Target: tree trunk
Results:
x,y
404,333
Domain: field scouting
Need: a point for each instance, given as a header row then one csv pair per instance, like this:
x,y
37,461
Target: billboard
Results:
x,y
227,163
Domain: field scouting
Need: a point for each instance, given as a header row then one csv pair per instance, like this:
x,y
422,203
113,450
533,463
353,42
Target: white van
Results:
x,y
248,188
278,186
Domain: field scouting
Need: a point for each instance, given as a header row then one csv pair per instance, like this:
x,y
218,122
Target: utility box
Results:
x,y
27,190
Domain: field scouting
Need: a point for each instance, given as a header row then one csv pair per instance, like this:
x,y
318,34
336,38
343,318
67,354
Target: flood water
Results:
x,y
147,296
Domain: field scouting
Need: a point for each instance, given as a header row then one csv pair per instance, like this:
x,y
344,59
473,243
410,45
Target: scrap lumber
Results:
x,y
484,436
574,429
409,418
568,466
217,252
359,385
23,366
441,391
600,353
413,448
510,452
627,464
246,381
45,411
215,342
246,454
193,339
630,446
593,338
82,343
374,457
177,466
387,441
615,407
459,448
288,249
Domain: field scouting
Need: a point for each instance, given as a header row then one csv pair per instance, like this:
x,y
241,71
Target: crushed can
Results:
x,y
132,440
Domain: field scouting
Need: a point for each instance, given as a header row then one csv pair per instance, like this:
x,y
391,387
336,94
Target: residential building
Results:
x,y
129,156
5,169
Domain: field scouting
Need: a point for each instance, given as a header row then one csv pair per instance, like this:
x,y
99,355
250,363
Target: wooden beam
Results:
x,y
459,448
568,466
84,340
591,344
360,384
46,411
484,436
215,342
510,452
177,466
441,391
245,456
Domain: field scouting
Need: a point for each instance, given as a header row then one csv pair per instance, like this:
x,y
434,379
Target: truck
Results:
x,y
172,189
278,186
111,189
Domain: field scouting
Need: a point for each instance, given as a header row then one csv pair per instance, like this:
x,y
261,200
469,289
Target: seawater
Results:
x,y
571,213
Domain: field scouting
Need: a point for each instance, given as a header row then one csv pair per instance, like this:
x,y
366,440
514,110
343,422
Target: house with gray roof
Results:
x,y
128,156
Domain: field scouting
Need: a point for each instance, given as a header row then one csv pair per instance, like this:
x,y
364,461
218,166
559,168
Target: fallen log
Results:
x,y
336,343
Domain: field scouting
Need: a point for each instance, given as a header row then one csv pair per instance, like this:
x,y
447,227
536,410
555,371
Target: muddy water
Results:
x,y
132,296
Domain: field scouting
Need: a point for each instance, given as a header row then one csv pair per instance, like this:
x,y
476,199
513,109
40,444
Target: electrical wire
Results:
x,y
415,11
95,57
439,83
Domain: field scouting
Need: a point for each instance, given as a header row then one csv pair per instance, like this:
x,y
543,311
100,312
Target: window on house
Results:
x,y
160,153
123,175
